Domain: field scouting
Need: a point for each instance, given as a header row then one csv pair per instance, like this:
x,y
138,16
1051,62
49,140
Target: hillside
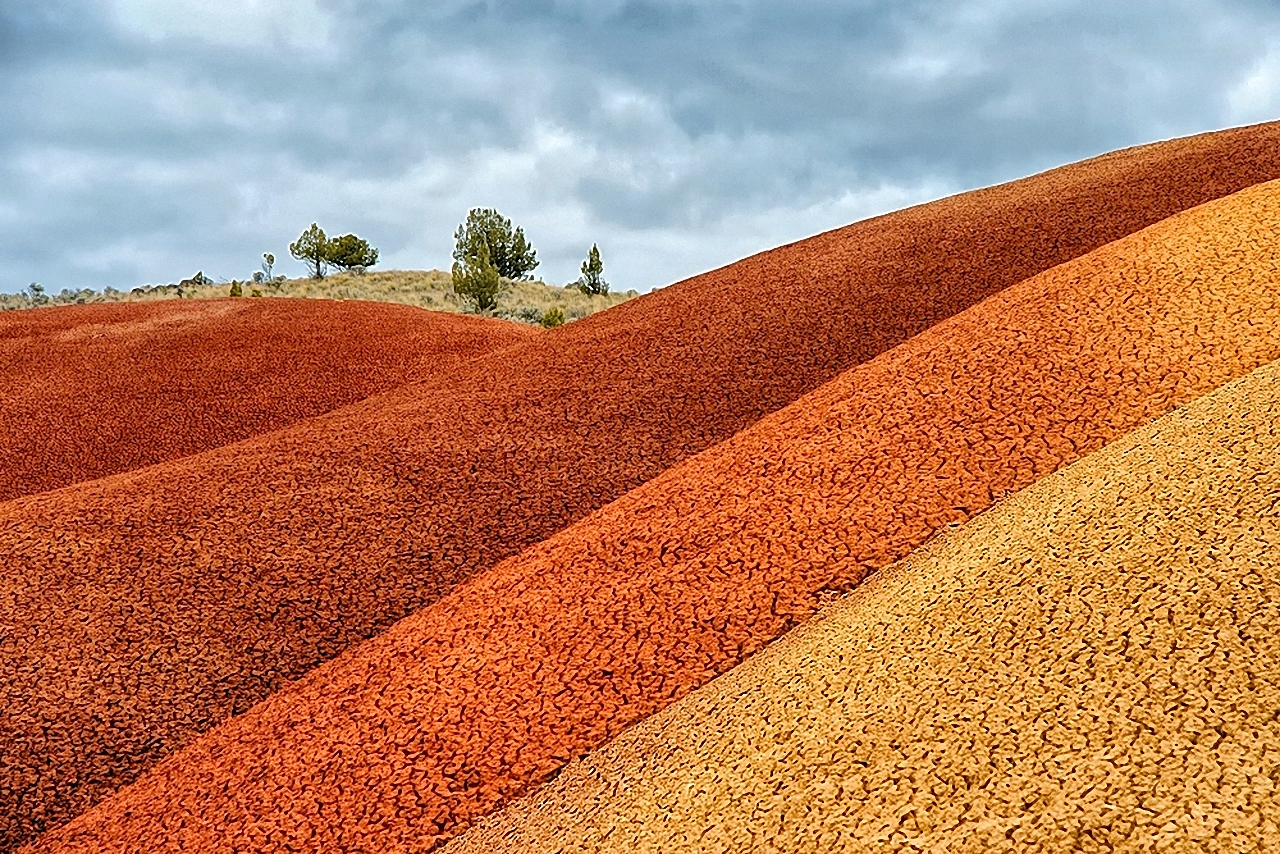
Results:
x,y
201,586
472,701
525,302
88,391
1094,665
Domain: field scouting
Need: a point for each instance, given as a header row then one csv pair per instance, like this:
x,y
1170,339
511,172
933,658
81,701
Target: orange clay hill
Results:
x,y
92,390
470,702
1094,665
148,606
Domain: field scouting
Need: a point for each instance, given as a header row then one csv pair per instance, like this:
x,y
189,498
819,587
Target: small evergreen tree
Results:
x,y
266,276
554,317
312,248
476,278
351,253
592,268
509,252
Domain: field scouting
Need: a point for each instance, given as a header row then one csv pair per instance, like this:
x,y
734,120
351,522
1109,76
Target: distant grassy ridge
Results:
x,y
526,302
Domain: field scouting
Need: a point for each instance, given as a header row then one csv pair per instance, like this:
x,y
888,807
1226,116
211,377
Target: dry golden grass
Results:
x,y
430,289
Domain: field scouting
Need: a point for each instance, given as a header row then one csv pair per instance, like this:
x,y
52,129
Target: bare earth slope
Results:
x,y
93,390
469,702
1092,666
147,607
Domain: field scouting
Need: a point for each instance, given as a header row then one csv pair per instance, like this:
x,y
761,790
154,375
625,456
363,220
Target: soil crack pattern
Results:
x,y
89,391
403,741
1094,665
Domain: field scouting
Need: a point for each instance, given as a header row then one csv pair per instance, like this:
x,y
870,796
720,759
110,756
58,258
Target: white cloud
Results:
x,y
535,183
1256,98
655,257
10,214
678,134
227,23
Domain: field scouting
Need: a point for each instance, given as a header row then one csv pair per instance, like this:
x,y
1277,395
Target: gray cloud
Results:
x,y
141,140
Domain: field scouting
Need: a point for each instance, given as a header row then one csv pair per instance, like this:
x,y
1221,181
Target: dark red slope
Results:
x,y
151,605
92,390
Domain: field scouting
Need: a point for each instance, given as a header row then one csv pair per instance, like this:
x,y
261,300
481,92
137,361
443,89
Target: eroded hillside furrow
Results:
x,y
139,610
470,702
1094,665
88,391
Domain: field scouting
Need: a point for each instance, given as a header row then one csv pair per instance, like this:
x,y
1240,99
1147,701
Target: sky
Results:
x,y
141,141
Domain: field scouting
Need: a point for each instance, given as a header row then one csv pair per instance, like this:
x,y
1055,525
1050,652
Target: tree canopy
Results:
x,y
320,252
477,278
592,268
508,250
312,248
349,252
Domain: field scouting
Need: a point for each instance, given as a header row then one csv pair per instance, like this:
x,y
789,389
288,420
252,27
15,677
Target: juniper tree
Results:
x,y
509,251
476,278
592,268
312,247
351,253
554,317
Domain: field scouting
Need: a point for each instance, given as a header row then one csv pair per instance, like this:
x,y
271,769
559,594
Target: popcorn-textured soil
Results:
x,y
472,701
1094,665
93,390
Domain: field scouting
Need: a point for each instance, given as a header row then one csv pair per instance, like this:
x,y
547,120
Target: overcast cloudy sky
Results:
x,y
141,140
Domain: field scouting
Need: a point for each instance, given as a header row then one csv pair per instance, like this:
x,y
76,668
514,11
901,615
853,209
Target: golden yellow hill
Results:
x,y
1093,665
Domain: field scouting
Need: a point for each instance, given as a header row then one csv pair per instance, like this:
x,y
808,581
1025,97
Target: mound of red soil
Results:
x,y
471,701
153,604
92,390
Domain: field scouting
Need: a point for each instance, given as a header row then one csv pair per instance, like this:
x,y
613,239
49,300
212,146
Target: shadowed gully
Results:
x,y
144,608
470,702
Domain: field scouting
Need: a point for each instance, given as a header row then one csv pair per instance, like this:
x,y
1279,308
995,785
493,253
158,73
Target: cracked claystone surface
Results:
x,y
88,391
140,610
1093,665
472,701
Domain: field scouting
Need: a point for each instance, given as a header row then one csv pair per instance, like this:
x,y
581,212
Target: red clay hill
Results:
x,y
151,605
402,741
92,390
